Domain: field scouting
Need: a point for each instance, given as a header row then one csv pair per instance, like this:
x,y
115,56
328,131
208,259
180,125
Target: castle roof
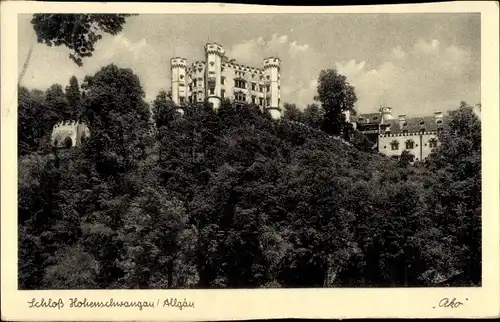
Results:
x,y
416,124
373,117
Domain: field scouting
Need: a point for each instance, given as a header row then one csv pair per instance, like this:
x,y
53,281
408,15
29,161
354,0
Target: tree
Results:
x,y
163,109
313,116
336,96
453,196
78,32
406,158
292,112
74,97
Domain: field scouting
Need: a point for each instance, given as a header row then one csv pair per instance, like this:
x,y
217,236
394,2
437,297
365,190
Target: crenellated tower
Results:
x,y
272,86
214,53
179,89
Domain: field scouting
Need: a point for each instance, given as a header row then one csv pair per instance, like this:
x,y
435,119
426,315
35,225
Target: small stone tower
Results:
x,y
272,86
68,134
179,89
214,53
386,113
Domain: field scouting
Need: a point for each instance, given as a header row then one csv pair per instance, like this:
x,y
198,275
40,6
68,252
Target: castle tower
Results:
x,y
386,113
272,86
179,89
214,54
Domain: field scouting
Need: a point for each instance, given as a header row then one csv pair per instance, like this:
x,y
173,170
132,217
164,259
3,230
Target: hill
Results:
x,y
234,199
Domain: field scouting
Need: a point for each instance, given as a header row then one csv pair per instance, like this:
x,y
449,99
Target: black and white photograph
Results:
x,y
208,151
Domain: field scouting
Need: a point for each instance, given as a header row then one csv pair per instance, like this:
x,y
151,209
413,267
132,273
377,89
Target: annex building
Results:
x,y
393,135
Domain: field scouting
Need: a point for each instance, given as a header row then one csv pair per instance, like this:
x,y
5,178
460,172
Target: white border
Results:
x,y
256,304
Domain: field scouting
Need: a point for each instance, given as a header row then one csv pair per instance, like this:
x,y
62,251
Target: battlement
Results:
x,y
68,123
272,62
214,48
178,62
69,133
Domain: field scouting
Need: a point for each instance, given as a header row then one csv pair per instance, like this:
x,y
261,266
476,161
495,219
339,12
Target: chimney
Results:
x,y
401,119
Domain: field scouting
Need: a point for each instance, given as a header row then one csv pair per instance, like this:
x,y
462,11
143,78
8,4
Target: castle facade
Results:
x,y
217,78
391,136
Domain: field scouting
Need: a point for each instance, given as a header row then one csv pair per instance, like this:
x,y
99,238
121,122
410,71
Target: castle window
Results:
x,y
240,97
222,80
268,102
268,88
385,147
439,121
405,123
239,83
222,93
182,99
261,101
268,77
421,123
181,84
182,76
409,144
394,145
212,63
254,86
194,82
195,98
212,91
253,99
432,143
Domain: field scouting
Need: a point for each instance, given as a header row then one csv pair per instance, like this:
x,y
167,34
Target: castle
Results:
x,y
218,78
391,136
67,134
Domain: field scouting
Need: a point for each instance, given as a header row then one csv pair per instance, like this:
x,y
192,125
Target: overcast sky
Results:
x,y
416,63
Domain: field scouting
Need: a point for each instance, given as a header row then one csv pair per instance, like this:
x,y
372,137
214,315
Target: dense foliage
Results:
x,y
233,198
78,32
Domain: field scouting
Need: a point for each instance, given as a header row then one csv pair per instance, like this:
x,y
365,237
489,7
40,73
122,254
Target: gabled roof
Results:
x,y
373,117
416,124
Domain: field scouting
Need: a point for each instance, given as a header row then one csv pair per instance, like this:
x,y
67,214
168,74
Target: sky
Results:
x,y
415,63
